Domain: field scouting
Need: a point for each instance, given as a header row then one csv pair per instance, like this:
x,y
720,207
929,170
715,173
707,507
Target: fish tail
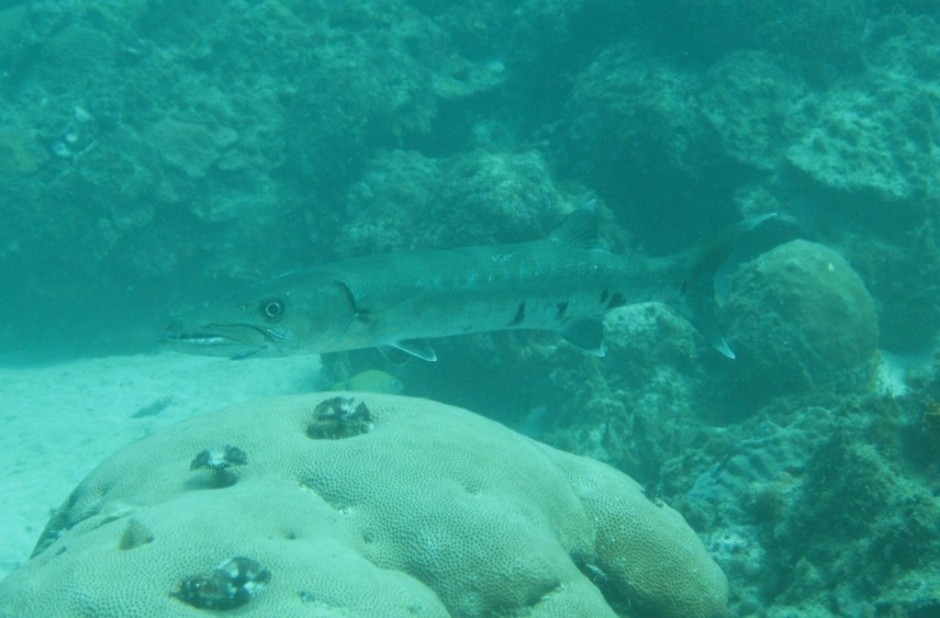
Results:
x,y
697,289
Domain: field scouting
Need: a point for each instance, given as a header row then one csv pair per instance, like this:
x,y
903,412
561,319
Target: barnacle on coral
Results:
x,y
230,585
340,417
135,535
219,461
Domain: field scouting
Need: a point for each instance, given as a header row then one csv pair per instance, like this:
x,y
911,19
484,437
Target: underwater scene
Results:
x,y
493,308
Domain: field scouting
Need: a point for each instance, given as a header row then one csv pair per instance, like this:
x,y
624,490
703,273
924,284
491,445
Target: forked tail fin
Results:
x,y
697,290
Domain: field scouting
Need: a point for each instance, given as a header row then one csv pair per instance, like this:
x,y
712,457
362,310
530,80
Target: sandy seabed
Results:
x,y
58,421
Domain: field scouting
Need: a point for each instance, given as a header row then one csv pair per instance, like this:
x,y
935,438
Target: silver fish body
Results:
x,y
396,302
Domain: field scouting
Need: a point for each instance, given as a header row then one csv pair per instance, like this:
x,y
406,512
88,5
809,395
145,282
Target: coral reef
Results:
x,y
825,31
157,142
156,154
752,103
418,509
856,143
495,197
853,506
630,126
20,152
405,200
823,516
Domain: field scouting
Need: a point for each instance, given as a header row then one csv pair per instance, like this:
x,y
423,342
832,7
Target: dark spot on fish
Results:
x,y
520,315
604,296
616,300
562,310
467,328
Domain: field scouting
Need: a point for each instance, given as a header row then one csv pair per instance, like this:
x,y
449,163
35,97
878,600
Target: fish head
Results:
x,y
282,317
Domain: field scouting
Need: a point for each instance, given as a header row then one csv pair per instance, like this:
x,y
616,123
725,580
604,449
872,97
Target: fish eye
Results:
x,y
272,310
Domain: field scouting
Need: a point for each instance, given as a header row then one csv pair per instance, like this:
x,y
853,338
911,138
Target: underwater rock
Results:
x,y
191,147
497,197
405,200
358,100
435,512
634,126
854,519
801,321
387,207
876,136
20,152
814,32
751,100
75,57
857,143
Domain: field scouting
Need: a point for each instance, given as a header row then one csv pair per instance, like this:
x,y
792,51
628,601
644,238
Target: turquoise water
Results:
x,y
158,155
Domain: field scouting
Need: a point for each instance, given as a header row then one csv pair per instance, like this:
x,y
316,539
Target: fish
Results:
x,y
397,302
371,381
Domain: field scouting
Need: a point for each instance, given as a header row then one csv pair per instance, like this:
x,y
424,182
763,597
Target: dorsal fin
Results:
x,y
579,229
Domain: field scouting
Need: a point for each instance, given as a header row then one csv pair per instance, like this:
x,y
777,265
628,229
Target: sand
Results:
x,y
58,421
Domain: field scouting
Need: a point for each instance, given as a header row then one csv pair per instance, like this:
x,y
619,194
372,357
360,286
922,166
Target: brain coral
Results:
x,y
800,319
329,505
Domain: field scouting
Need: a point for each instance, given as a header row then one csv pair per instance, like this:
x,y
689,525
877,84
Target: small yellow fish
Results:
x,y
371,381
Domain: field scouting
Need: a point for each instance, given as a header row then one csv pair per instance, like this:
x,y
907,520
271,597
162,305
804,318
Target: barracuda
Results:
x,y
564,283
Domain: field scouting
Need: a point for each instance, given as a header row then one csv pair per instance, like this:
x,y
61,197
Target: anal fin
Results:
x,y
586,333
398,352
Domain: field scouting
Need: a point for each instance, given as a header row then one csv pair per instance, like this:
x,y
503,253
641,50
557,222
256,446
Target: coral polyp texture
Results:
x,y
426,510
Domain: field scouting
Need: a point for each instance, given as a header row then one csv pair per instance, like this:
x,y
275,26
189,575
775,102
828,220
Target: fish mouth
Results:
x,y
233,340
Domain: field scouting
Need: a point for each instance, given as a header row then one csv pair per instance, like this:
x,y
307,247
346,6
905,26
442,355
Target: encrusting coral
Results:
x,y
421,510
